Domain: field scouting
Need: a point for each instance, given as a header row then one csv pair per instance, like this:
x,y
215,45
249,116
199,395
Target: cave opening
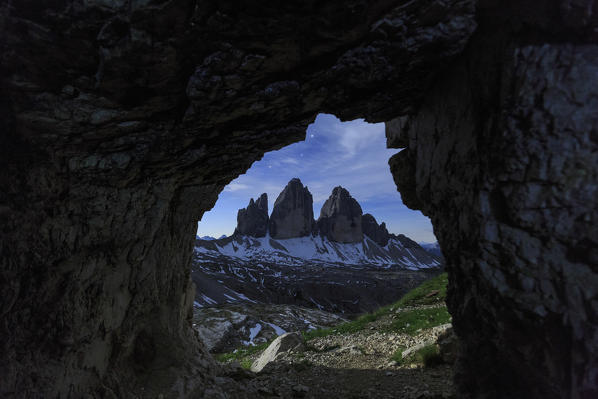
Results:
x,y
123,121
325,244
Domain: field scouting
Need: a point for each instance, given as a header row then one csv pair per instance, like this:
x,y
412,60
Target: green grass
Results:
x,y
344,328
421,295
241,354
398,355
409,322
430,292
429,356
246,364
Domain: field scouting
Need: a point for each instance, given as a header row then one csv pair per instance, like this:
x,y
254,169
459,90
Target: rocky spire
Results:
x,y
340,217
253,220
293,214
379,234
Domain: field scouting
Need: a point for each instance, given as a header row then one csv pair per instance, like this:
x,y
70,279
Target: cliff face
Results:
x,y
502,156
293,212
376,232
340,217
122,121
253,220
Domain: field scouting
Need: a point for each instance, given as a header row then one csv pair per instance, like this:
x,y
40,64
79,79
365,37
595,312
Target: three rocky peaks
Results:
x,y
341,218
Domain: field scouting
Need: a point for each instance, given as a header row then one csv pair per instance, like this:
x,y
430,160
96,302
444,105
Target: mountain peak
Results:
x,y
293,214
379,234
253,220
262,202
340,217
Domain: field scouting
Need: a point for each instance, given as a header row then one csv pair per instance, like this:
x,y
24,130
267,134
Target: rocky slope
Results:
x,y
337,288
227,327
399,251
376,356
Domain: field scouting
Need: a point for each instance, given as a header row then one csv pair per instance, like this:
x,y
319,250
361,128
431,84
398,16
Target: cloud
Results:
x,y
236,186
351,154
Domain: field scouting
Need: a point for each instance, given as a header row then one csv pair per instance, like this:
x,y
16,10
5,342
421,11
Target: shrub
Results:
x,y
241,353
246,364
429,356
398,355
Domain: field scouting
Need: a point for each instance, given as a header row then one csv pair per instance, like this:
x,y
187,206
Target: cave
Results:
x,y
123,120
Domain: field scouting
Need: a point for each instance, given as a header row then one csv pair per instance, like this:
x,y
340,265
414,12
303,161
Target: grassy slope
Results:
x,y
431,292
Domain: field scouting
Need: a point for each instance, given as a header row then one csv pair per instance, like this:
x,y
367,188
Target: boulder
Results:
x,y
284,343
448,345
293,214
376,232
340,217
253,220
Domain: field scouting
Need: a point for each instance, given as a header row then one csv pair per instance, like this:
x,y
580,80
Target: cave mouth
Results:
x,y
123,121
350,154
267,263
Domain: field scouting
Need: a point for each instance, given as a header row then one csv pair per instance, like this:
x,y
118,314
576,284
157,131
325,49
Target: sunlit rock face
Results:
x,y
503,156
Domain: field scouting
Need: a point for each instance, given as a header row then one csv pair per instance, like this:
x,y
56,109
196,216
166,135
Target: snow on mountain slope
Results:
x,y
399,251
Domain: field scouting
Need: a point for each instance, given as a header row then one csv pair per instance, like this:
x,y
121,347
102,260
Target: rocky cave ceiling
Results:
x,y
121,121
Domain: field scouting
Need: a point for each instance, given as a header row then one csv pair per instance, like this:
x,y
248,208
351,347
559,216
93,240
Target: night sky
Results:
x,y
350,154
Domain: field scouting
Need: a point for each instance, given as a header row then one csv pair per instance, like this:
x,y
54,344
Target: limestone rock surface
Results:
x,y
340,217
253,220
376,232
293,212
122,121
502,156
284,343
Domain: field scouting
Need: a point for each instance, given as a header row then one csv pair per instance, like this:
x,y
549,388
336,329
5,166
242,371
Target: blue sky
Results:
x,y
350,154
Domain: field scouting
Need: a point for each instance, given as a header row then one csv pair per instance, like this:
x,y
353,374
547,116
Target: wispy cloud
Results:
x,y
351,154
236,186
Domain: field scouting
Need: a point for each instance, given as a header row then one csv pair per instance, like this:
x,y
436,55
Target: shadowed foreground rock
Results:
x,y
503,159
122,121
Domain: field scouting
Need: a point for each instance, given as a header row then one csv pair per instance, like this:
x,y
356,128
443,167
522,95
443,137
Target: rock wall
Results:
x,y
253,220
122,121
293,212
503,156
376,232
340,217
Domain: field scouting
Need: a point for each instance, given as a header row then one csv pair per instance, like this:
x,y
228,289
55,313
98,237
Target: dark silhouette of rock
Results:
x,y
253,220
293,213
502,182
371,229
340,217
122,121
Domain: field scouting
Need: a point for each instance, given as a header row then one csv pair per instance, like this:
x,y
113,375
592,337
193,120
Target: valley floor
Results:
x,y
358,359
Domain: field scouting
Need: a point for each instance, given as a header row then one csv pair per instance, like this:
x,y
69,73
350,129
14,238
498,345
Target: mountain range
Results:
x,y
287,271
291,236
